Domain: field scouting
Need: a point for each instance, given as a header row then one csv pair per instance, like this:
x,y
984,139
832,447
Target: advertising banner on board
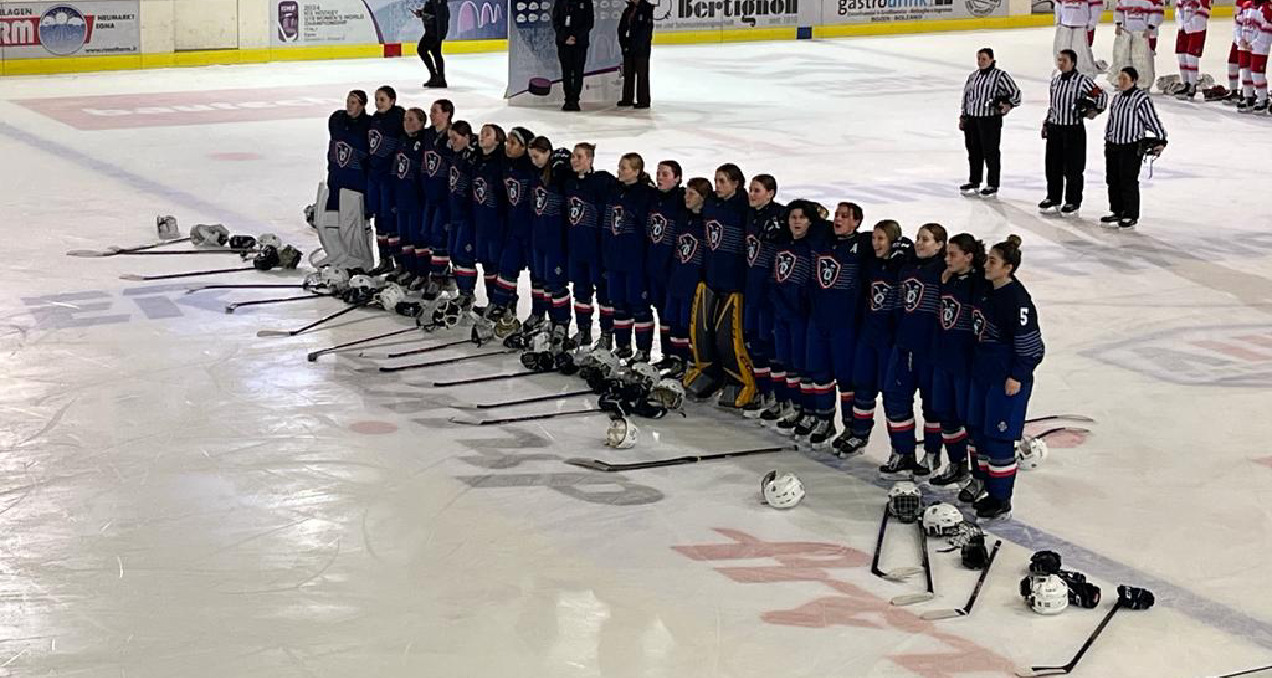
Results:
x,y
39,30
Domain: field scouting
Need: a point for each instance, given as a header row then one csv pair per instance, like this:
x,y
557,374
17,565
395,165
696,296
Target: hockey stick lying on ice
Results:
x,y
112,251
608,467
1067,417
1060,429
487,378
200,288
310,326
980,581
414,351
210,250
230,308
912,598
191,274
312,356
1129,597
521,401
1244,673
447,361
899,574
529,417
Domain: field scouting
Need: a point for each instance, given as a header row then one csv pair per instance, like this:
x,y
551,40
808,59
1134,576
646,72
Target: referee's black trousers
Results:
x,y
983,137
1066,161
1122,167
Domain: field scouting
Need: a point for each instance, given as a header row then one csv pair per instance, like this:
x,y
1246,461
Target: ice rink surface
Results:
x,y
179,497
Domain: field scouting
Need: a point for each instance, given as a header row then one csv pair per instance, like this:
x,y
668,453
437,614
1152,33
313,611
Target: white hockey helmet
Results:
x,y
606,361
390,296
269,240
1048,595
646,373
781,490
362,282
669,393
1031,452
941,520
621,433
541,342
334,277
905,501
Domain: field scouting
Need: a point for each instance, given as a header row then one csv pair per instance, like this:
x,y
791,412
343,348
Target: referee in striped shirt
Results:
x,y
1131,118
988,95
1075,98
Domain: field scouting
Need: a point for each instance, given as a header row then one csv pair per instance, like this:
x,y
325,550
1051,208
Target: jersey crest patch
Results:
x,y
343,153
783,265
912,293
514,191
454,178
950,311
375,138
431,161
752,249
540,200
879,292
480,190
715,234
617,213
978,323
686,247
577,210
403,165
828,269
657,227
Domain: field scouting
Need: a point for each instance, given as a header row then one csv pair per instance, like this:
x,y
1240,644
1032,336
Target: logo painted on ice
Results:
x,y
912,288
480,190
752,249
657,227
540,200
715,234
514,191
617,215
577,210
784,265
828,269
686,247
879,292
431,161
343,153
1224,355
950,311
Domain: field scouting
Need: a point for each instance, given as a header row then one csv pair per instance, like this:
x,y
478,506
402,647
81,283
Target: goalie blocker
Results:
x,y
345,235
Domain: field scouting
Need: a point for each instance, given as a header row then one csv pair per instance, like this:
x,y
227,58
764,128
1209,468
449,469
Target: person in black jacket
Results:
x,y
572,20
635,34
436,17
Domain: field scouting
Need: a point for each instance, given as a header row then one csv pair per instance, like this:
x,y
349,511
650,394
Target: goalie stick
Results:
x,y
980,581
312,356
191,274
899,574
482,380
912,598
447,361
1068,417
230,308
529,417
112,251
521,401
292,333
608,467
415,351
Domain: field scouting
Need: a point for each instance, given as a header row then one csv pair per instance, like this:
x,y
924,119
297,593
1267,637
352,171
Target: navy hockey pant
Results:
x,y
630,301
678,313
910,371
997,421
869,369
830,358
950,401
437,232
409,241
513,259
788,376
757,332
463,253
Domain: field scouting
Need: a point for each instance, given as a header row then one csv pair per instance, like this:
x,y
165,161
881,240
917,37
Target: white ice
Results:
x,y
181,498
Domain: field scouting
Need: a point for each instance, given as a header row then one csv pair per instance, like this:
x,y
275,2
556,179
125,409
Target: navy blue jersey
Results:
x,y
623,237
666,214
346,152
488,193
518,176
724,223
436,169
405,174
765,227
879,318
792,274
549,218
918,303
955,340
383,132
1008,340
460,197
585,200
838,264
686,265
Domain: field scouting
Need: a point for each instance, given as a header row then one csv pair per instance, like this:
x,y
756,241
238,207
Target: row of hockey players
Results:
x,y
1138,24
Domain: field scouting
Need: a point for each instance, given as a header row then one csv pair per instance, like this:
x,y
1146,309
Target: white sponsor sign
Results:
x,y
38,30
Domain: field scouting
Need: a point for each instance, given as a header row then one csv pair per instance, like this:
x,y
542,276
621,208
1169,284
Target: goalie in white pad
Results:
x,y
1137,22
1075,25
345,235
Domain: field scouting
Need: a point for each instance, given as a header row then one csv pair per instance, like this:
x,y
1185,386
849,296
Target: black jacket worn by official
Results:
x,y
436,17
573,19
636,29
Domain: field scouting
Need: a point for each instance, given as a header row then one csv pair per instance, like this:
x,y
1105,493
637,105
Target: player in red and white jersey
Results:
x,y
1137,23
1192,16
1239,55
1075,27
1259,28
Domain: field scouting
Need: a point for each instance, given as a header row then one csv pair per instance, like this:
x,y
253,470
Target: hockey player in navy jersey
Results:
x,y
878,327
790,295
489,205
586,194
347,149
548,259
623,258
666,210
383,132
765,228
461,242
1008,349
964,275
721,364
686,274
515,256
910,364
436,180
408,194
838,266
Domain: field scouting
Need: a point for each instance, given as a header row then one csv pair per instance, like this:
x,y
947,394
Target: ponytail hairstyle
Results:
x,y
543,144
733,172
891,229
968,244
638,163
1009,250
939,234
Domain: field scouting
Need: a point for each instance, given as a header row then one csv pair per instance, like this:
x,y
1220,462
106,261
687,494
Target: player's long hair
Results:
x,y
939,234
1009,250
636,162
968,244
543,144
